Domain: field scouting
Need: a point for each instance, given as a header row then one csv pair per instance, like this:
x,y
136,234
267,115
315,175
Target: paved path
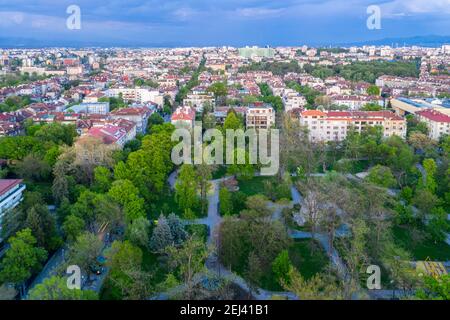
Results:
x,y
50,269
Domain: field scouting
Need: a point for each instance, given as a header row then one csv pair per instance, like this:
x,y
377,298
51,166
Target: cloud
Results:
x,y
415,7
259,12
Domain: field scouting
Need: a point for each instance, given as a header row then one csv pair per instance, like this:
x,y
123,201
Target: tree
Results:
x,y
186,188
176,229
254,272
421,141
138,232
85,250
435,288
430,168
281,267
162,235
73,226
102,179
33,168
43,227
232,122
225,202
243,171
373,90
204,174
125,261
319,287
55,288
381,176
155,119
127,195
91,152
425,201
438,225
22,259
219,89
188,260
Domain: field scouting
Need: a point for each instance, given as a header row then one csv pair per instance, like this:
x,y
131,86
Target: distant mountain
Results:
x,y
16,42
423,41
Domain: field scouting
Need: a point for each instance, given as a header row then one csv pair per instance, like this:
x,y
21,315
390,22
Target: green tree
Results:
x,y
22,259
127,195
55,288
138,232
162,235
73,226
430,168
381,176
373,90
188,260
281,267
102,179
85,250
232,122
225,202
186,188
435,288
204,174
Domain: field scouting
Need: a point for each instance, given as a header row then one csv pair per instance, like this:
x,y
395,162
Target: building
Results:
x,y
199,101
221,113
260,116
184,117
112,134
334,125
138,115
437,122
90,108
139,95
11,194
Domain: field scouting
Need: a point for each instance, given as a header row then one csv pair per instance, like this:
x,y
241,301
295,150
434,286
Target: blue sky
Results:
x,y
221,22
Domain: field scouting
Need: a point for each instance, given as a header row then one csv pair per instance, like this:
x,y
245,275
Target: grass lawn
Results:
x,y
253,186
167,205
307,263
421,247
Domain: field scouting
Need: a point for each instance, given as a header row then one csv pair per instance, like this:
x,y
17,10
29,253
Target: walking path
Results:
x,y
212,263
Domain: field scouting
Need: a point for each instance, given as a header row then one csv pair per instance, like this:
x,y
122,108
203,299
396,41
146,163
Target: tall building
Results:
x,y
11,194
260,116
334,125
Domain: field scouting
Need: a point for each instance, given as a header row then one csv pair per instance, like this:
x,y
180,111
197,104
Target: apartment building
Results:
x,y
11,194
199,101
437,122
139,95
138,115
334,125
184,117
260,116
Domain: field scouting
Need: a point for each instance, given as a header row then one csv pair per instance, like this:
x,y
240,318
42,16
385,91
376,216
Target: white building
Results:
x,y
260,116
90,108
334,125
139,95
11,194
437,122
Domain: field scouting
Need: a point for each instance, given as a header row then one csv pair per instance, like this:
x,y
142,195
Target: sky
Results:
x,y
220,22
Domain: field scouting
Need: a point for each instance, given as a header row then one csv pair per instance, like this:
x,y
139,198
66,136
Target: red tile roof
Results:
x,y
434,115
8,184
